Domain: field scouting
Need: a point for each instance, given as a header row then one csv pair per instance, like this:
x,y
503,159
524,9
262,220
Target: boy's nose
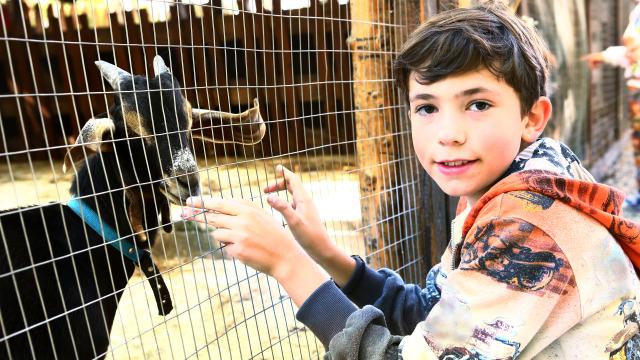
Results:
x,y
452,133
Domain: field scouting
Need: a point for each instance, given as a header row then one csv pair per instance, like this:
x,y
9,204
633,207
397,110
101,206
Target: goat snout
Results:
x,y
183,180
189,183
178,188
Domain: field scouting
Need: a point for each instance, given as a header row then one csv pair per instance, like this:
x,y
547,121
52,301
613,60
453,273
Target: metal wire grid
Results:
x,y
194,328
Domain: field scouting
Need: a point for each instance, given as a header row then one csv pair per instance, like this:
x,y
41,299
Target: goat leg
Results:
x,y
158,286
135,206
165,214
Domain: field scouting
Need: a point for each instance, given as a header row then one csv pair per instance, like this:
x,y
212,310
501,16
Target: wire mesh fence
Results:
x,y
144,103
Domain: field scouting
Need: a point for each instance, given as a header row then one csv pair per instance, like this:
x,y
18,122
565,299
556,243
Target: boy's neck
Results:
x,y
472,200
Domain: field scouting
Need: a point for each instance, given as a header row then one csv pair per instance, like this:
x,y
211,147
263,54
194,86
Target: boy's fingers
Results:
x,y
290,181
284,208
223,236
218,220
224,206
278,186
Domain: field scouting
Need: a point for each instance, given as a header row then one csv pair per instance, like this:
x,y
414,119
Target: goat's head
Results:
x,y
150,128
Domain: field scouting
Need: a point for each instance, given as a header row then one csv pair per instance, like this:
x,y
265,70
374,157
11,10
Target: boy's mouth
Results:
x,y
455,163
454,167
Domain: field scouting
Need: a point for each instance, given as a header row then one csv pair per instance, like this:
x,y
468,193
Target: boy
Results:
x,y
535,266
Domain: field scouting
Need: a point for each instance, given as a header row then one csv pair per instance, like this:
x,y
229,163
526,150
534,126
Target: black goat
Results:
x,y
60,282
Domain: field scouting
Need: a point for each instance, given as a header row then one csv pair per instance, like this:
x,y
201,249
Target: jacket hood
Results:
x,y
551,169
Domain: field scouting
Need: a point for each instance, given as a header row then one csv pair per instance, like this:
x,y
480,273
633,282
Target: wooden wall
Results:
x,y
294,61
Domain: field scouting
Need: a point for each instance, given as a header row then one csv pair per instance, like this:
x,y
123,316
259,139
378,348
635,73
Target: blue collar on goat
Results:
x,y
111,237
140,257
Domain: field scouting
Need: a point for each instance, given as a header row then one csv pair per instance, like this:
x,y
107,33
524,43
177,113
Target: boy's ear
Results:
x,y
536,119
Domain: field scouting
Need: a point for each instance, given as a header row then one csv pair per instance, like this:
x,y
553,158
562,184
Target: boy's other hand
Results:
x,y
304,222
301,214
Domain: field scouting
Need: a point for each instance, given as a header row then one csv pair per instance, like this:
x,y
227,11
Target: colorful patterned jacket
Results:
x,y
539,268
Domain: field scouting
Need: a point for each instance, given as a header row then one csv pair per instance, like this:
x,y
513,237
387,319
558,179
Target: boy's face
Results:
x,y
467,130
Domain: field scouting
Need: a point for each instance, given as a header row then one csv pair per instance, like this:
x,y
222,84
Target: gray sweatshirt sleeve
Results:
x,y
345,331
365,336
367,333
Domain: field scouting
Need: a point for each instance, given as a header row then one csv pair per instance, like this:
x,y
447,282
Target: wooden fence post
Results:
x,y
375,145
401,223
372,40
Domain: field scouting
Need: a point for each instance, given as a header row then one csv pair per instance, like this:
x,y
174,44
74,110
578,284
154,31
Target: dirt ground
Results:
x,y
222,309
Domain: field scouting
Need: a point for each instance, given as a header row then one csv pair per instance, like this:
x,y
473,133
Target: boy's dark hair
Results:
x,y
461,40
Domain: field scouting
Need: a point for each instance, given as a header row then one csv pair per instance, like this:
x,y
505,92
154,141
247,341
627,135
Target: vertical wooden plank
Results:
x,y
287,102
428,8
147,39
342,75
23,84
376,146
269,73
58,59
84,66
134,45
71,47
186,40
414,224
198,53
121,56
321,27
444,5
439,208
214,68
41,74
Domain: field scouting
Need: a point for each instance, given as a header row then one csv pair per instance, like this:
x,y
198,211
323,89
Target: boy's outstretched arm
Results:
x,y
305,225
252,236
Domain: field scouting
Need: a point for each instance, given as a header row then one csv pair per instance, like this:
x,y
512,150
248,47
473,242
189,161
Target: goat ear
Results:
x,y
158,66
90,141
113,74
246,128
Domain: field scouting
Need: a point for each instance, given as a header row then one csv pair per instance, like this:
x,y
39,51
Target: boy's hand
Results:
x,y
250,234
256,239
301,214
304,222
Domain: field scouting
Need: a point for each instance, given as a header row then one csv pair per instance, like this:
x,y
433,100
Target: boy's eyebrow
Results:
x,y
465,93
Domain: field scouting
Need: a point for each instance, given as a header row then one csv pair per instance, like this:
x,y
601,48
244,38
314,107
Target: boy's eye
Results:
x,y
479,106
426,109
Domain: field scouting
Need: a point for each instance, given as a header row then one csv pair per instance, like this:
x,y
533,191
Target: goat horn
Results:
x,y
112,73
246,128
90,139
158,66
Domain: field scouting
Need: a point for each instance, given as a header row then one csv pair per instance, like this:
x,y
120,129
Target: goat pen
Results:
x,y
82,79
